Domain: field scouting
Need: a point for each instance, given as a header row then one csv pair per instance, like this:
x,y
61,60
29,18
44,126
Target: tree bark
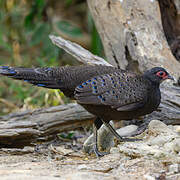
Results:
x,y
132,34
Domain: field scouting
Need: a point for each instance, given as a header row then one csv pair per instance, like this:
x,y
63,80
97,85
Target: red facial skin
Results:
x,y
162,75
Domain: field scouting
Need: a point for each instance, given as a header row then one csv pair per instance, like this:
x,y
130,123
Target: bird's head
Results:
x,y
157,75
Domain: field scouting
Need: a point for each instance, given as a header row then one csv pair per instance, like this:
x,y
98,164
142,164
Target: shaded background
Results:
x,y
24,29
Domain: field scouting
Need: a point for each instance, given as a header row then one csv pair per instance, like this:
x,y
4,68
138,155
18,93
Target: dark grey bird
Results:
x,y
107,92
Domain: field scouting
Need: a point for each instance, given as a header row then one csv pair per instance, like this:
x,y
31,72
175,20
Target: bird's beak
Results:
x,y
169,77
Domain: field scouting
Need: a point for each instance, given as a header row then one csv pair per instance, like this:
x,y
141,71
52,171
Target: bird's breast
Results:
x,y
153,100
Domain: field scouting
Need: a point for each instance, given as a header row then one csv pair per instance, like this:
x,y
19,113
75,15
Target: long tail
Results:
x,y
65,78
42,77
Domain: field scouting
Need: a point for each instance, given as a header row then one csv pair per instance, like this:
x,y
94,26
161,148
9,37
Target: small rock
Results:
x,y
148,177
137,149
114,150
177,129
159,154
88,144
105,140
157,127
159,140
63,150
176,145
169,146
127,130
82,167
174,168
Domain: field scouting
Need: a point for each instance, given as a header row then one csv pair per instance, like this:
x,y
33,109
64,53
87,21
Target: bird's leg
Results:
x,y
113,131
95,147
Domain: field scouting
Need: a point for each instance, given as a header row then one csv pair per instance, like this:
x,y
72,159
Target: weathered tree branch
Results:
x,y
23,128
77,51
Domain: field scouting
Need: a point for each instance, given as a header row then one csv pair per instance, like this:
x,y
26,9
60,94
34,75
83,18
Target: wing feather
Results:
x,y
122,91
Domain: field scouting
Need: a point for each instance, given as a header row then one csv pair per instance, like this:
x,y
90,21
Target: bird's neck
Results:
x,y
155,84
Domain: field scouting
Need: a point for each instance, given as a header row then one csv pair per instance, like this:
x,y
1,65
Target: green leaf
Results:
x,y
96,45
35,12
67,136
69,29
40,33
68,2
48,49
28,22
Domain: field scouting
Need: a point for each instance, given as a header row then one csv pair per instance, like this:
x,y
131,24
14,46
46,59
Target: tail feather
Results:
x,y
7,71
42,77
65,78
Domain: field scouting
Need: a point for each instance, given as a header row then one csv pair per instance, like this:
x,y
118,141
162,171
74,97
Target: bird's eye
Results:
x,y
161,74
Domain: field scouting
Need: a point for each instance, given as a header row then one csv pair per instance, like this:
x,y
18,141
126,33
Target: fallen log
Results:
x,y
23,128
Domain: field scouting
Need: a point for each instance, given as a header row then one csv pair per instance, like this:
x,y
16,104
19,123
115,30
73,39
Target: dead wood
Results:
x,y
24,128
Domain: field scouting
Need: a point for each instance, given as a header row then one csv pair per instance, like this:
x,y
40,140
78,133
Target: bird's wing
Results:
x,y
122,91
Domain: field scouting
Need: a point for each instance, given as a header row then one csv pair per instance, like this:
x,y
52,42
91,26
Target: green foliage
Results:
x,y
24,41
69,29
96,44
67,135
34,13
68,2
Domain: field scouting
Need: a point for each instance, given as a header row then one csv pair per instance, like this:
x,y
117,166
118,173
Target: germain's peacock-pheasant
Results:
x,y
107,92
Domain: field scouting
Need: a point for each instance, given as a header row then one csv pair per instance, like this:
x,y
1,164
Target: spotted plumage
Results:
x,y
107,92
114,91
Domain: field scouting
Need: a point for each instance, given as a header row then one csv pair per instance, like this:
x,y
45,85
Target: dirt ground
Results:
x,y
61,163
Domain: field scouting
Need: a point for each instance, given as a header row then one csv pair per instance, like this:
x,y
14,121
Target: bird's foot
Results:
x,y
98,153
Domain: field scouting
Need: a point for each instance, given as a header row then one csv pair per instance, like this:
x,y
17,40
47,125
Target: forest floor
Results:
x,y
156,157
65,164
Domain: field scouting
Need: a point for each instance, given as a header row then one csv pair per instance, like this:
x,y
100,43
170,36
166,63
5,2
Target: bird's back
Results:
x,y
72,76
